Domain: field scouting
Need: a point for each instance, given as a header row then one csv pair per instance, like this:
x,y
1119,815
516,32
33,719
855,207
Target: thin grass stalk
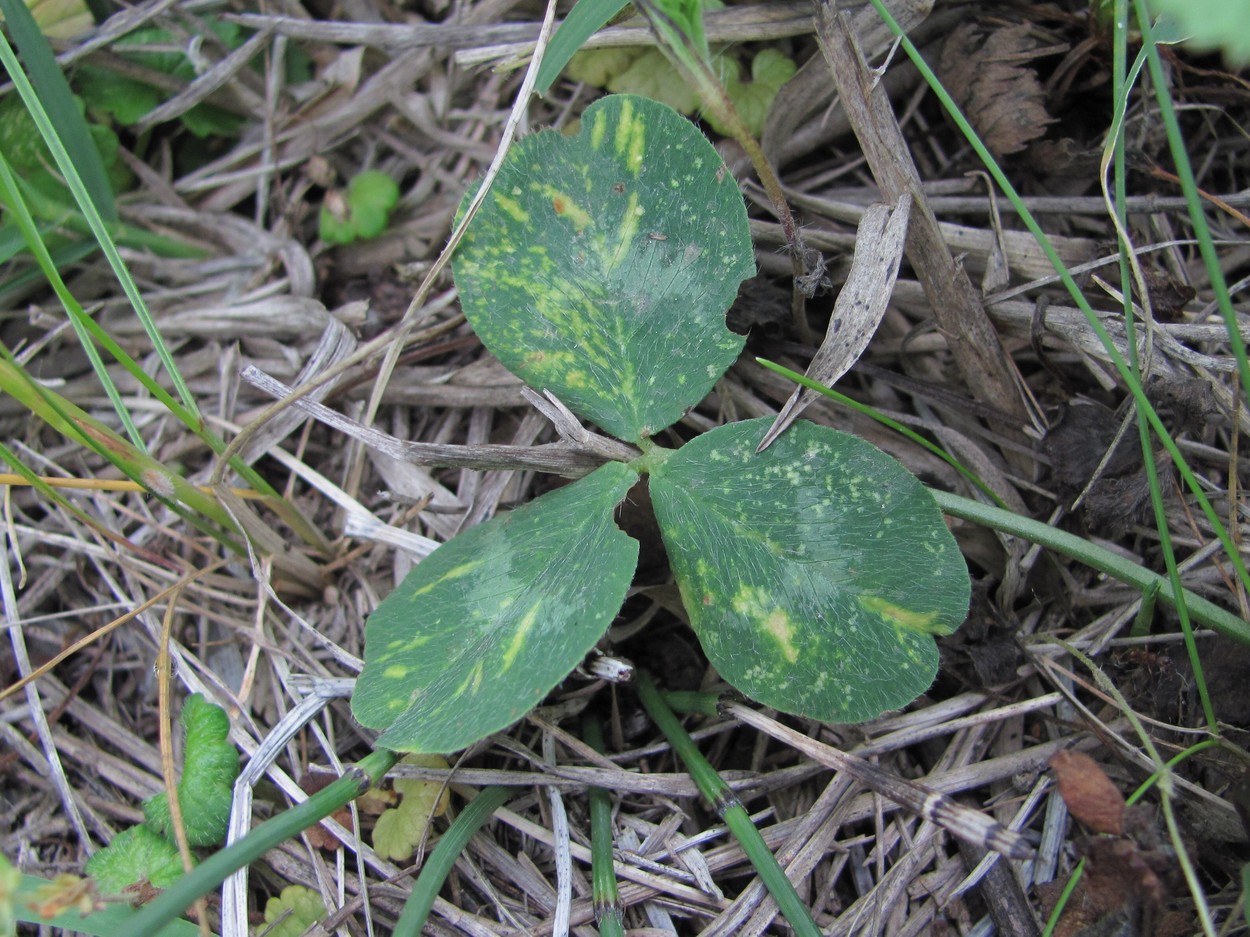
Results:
x,y
214,870
64,120
605,895
1189,187
74,423
1117,360
86,328
439,863
729,808
1203,611
21,215
1120,94
98,225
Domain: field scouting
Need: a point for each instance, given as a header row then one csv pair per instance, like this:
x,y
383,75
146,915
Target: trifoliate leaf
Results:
x,y
815,573
210,768
292,911
136,855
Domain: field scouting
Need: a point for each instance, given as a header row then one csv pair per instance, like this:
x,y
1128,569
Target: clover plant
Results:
x,y
815,573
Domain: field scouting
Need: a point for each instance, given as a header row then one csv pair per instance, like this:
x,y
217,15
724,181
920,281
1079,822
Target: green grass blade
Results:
x,y
726,803
55,96
95,219
1117,360
1203,611
605,895
12,195
438,864
583,21
209,874
1189,186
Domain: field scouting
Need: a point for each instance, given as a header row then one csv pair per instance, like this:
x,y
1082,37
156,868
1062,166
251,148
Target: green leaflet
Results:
x,y
489,622
814,573
210,768
596,260
135,855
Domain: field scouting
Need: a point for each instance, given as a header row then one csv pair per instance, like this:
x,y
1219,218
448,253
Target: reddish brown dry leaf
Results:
x,y
1091,796
1001,97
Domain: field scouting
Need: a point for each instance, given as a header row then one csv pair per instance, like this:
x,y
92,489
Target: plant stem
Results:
x,y
438,865
607,899
691,55
729,808
214,870
1200,609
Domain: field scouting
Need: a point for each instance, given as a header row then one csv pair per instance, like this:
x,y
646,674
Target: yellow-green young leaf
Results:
x,y
815,573
599,66
210,768
488,623
596,258
400,829
652,75
292,911
770,69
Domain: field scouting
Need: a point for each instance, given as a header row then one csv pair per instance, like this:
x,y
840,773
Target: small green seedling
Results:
x,y
293,911
815,573
360,213
146,853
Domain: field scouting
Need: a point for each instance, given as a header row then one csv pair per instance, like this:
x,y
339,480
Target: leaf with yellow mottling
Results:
x,y
600,266
482,629
815,573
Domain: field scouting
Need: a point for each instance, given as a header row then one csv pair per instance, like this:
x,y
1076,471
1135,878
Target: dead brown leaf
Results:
x,y
1091,796
1001,96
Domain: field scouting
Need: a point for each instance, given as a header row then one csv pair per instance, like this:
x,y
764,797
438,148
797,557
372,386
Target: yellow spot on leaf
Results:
x,y
631,139
758,607
778,626
564,206
923,622
395,672
518,638
597,131
513,208
456,572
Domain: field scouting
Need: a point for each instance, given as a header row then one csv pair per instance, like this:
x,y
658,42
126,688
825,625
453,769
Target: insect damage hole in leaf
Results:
x,y
565,282
483,628
815,573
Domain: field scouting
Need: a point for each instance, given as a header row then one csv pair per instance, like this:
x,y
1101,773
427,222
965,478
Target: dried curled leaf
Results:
x,y
1001,97
1091,796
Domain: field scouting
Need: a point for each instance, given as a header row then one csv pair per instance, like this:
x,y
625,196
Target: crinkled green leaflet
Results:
x,y
482,629
600,266
815,573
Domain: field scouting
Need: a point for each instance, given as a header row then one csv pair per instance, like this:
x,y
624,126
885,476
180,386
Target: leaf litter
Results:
x,y
262,644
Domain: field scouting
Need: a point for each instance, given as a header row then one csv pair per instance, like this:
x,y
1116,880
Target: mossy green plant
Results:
x,y
146,853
